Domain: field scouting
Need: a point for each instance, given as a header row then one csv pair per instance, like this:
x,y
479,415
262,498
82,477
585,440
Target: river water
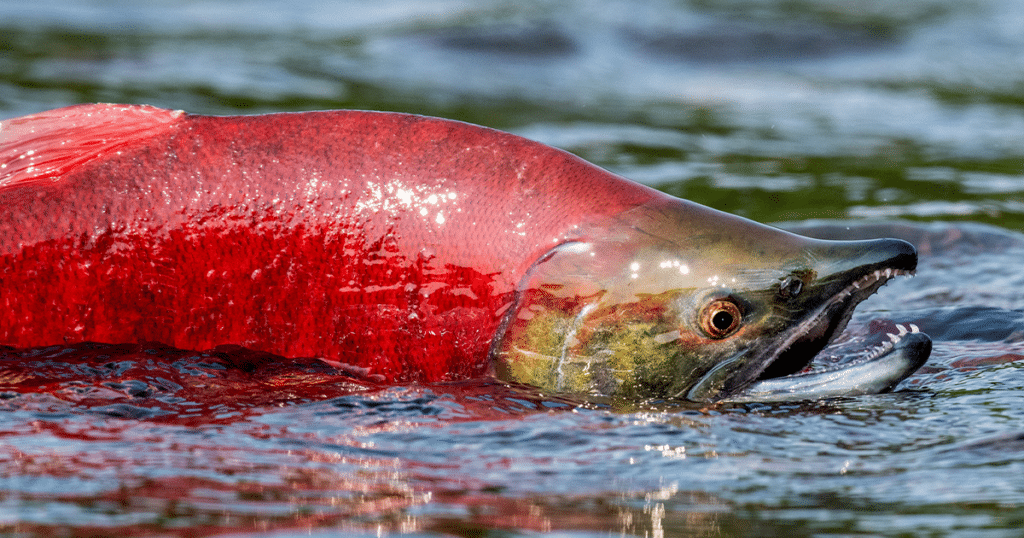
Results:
x,y
838,119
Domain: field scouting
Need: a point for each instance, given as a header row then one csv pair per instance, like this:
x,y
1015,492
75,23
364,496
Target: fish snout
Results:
x,y
858,265
870,255
892,253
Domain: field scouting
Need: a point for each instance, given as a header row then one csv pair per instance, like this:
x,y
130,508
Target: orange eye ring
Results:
x,y
720,318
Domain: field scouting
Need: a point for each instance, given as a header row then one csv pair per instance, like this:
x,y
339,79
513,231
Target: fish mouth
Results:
x,y
807,339
786,357
873,369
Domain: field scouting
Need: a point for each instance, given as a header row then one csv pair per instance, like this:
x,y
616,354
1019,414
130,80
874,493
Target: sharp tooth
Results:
x,y
856,284
914,329
903,330
878,274
893,338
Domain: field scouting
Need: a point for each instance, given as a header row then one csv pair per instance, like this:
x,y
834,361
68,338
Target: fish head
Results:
x,y
672,299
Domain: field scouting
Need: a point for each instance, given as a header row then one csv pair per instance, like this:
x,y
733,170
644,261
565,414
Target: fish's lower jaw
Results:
x,y
886,342
892,339
880,371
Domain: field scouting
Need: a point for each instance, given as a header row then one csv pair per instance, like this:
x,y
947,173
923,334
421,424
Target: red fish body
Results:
x,y
402,248
390,244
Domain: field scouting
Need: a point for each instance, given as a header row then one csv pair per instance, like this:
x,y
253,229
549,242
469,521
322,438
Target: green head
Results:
x,y
675,300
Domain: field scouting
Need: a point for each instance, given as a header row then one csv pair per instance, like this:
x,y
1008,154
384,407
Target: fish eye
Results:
x,y
720,318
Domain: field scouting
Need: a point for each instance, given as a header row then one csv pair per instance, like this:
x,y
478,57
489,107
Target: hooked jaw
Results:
x,y
826,306
879,369
822,327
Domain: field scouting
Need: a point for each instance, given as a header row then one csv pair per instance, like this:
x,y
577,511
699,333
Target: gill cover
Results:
x,y
673,299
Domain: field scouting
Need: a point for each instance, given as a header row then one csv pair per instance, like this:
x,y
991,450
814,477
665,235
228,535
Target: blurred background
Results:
x,y
775,110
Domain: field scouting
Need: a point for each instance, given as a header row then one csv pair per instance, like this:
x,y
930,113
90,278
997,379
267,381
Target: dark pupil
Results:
x,y
722,320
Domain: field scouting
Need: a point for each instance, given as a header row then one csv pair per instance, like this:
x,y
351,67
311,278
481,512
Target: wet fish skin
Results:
x,y
396,247
386,243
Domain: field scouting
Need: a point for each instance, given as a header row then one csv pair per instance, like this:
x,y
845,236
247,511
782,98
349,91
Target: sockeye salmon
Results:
x,y
403,248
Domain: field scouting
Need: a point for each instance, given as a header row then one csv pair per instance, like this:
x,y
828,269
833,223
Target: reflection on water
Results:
x,y
779,111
